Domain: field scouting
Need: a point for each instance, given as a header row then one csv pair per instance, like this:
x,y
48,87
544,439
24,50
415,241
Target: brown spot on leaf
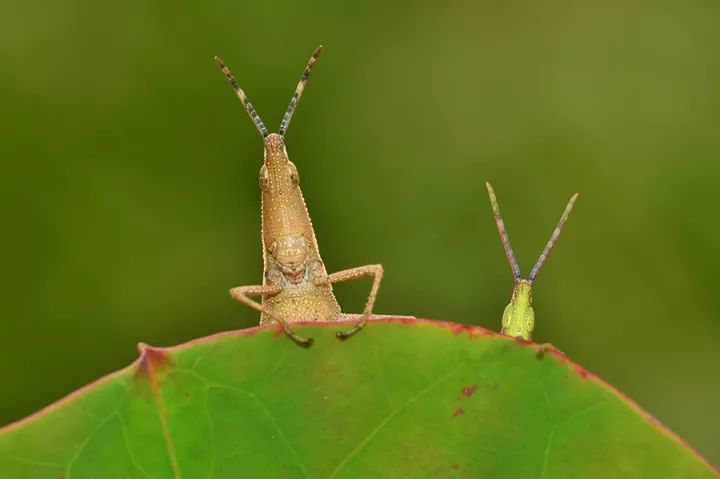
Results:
x,y
582,372
469,390
471,331
459,329
458,412
579,370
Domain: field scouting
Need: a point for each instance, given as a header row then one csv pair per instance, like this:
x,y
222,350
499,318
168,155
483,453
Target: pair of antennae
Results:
x,y
493,199
506,241
293,101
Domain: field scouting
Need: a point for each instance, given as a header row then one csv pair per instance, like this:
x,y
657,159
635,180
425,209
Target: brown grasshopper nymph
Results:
x,y
296,285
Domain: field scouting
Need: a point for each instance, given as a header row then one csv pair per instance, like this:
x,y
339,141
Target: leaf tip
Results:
x,y
151,360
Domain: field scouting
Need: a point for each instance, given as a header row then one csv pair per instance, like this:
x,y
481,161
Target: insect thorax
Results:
x,y
293,264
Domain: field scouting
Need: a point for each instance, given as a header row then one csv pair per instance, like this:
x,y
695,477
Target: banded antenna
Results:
x,y
293,101
243,98
503,233
299,91
506,241
553,238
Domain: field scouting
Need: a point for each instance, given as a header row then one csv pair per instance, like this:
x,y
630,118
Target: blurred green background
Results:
x,y
129,177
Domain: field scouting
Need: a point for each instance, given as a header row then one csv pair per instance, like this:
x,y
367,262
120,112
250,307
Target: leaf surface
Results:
x,y
404,398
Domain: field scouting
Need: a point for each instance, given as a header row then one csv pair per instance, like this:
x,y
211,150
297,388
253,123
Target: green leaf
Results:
x,y
404,398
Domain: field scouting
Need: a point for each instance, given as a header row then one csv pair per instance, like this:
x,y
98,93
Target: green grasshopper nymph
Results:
x,y
518,318
296,286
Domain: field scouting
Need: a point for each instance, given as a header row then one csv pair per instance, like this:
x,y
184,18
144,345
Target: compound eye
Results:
x,y
264,178
294,175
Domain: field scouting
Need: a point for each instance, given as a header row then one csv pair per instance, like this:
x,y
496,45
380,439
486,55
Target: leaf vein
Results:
x,y
546,454
82,446
276,424
127,446
389,417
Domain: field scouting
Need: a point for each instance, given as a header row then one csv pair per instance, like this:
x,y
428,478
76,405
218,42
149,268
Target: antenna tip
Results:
x,y
490,189
218,61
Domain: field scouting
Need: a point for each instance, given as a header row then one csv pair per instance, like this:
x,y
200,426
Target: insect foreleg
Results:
x,y
243,293
374,270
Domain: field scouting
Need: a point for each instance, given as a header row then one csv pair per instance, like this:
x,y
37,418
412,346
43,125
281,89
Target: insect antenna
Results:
x,y
299,91
503,234
243,98
553,239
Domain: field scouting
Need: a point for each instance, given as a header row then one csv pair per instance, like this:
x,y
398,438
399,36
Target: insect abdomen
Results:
x,y
304,302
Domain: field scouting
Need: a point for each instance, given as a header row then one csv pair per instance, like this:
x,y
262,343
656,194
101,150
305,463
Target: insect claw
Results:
x,y
343,335
304,342
299,340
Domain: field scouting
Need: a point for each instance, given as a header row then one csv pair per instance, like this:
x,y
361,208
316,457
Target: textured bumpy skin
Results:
x,y
296,286
286,227
303,302
519,317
